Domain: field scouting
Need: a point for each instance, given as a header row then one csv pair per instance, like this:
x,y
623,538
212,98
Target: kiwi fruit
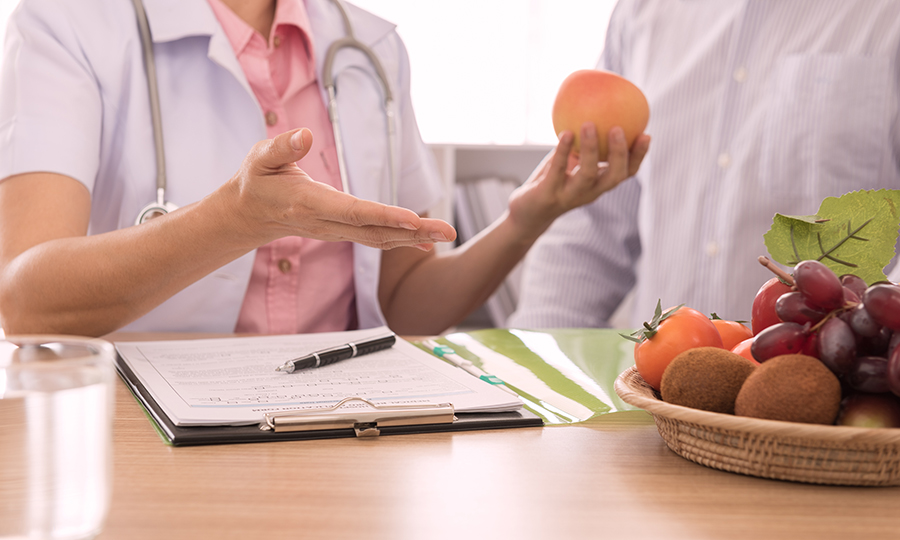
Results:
x,y
707,378
792,388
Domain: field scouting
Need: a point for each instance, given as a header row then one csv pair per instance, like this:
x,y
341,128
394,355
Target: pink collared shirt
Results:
x,y
297,284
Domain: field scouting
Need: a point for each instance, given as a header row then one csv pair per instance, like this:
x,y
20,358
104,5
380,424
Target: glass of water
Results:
x,y
56,408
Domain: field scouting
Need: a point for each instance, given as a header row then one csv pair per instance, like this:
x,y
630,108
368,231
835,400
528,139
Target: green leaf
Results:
x,y
855,233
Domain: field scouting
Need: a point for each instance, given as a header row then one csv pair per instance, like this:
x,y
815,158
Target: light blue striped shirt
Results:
x,y
757,107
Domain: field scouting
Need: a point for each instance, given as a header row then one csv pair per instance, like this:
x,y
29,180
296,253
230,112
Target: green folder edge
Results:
x,y
565,376
140,402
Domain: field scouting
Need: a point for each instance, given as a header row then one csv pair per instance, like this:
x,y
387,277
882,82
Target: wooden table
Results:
x,y
612,478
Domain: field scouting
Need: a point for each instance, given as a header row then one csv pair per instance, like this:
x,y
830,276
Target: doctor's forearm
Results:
x,y
92,285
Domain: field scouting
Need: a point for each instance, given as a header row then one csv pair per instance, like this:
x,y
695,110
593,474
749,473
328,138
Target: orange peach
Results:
x,y
604,98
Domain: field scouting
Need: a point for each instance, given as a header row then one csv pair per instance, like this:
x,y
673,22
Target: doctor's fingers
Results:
x,y
429,231
341,207
285,149
378,236
383,223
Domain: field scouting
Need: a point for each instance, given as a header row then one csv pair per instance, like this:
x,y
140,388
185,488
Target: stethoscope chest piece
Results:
x,y
159,207
153,210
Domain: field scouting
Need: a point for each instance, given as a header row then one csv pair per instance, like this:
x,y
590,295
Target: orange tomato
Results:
x,y
732,332
684,329
743,349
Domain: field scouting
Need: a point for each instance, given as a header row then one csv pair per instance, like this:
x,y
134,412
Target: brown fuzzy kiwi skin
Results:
x,y
792,388
706,378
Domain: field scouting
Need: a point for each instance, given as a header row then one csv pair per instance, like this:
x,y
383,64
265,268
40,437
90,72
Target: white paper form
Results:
x,y
232,381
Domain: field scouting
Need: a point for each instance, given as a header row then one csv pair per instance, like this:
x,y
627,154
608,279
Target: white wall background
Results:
x,y
486,71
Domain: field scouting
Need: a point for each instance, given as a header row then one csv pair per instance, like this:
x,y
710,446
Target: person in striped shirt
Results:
x,y
757,108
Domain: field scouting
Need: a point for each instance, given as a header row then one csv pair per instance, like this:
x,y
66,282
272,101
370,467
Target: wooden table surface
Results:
x,y
612,478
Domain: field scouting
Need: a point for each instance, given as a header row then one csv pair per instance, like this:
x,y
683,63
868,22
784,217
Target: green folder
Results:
x,y
565,376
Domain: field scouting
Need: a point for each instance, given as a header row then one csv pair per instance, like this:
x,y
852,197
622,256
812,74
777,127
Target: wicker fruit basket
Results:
x,y
767,448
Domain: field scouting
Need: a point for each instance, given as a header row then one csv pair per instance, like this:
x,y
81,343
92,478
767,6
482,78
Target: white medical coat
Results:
x,y
74,101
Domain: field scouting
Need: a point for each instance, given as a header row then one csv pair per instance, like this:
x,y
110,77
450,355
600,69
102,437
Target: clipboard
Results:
x,y
322,423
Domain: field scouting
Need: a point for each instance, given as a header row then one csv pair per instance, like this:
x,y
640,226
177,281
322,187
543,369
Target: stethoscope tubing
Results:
x,y
349,41
161,206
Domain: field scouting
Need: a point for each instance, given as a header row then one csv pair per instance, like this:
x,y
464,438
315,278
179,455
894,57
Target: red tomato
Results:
x,y
684,329
732,332
743,349
763,311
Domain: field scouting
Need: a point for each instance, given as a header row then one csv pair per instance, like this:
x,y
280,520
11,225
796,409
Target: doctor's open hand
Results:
x,y
271,197
555,187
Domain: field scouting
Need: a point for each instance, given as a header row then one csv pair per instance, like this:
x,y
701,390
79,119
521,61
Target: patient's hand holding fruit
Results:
x,y
606,99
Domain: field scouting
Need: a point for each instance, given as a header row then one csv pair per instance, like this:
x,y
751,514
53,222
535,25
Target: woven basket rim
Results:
x,y
632,389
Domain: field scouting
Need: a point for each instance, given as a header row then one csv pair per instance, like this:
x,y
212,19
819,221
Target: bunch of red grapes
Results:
x,y
854,329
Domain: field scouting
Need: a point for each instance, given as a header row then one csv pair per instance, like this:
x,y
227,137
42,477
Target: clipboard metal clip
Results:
x,y
366,421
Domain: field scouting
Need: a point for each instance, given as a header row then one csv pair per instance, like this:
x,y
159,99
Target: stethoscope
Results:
x,y
161,207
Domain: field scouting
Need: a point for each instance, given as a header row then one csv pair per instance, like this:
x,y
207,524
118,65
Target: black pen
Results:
x,y
336,354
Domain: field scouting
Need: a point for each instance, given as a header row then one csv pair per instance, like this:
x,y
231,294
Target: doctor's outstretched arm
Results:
x,y
424,293
54,278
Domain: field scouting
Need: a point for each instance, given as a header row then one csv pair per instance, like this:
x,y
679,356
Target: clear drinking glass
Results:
x,y
56,407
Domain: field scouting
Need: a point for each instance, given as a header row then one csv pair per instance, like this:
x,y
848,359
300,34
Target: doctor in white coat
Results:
x,y
77,165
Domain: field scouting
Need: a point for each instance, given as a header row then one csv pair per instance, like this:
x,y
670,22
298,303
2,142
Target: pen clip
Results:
x,y
366,422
